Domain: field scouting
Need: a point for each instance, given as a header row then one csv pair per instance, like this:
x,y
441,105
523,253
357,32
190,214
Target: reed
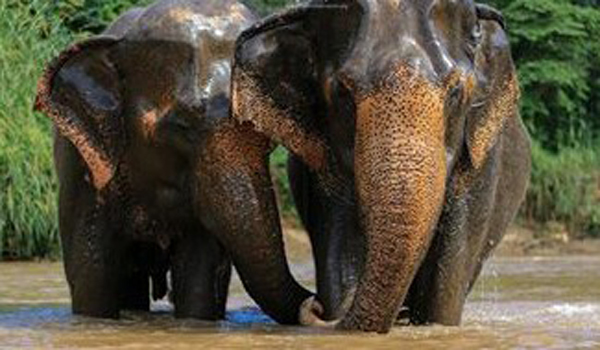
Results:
x,y
28,38
565,189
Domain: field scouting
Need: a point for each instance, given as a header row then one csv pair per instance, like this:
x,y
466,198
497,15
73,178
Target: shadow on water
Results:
x,y
33,317
60,316
518,303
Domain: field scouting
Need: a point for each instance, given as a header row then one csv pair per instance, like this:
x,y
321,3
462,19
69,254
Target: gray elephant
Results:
x,y
155,175
410,158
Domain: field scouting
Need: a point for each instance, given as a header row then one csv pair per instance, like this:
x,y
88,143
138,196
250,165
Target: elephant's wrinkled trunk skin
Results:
x,y
234,173
400,179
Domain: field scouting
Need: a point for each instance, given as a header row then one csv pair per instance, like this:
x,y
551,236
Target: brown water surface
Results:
x,y
518,303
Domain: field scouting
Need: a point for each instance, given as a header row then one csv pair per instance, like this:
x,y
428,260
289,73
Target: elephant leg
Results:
x,y
135,280
440,289
93,271
201,273
471,226
135,289
89,236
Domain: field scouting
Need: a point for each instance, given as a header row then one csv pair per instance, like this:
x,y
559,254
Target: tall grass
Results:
x,y
565,188
28,38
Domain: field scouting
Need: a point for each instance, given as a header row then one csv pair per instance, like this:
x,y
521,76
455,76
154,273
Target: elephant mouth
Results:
x,y
145,222
146,228
169,197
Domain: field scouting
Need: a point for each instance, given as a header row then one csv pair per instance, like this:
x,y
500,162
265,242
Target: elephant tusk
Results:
x,y
310,314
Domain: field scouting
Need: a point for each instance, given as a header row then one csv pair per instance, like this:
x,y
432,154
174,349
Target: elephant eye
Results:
x,y
476,33
473,40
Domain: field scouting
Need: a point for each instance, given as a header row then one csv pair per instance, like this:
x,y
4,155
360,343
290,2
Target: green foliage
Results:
x,y
27,184
557,52
556,48
281,183
267,6
565,187
92,16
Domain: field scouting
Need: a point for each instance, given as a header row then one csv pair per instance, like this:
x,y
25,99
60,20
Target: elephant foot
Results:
x,y
311,314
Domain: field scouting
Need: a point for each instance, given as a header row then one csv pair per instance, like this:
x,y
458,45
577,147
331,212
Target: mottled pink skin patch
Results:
x,y
149,120
98,163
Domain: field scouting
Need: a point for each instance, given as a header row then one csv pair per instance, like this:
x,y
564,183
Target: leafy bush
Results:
x,y
267,6
557,53
565,187
91,16
555,47
27,184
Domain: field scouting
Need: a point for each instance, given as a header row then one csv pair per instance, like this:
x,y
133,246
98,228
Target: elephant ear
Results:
x,y
274,84
80,92
498,94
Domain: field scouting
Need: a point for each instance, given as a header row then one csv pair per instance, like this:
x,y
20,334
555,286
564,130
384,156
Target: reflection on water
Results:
x,y
518,302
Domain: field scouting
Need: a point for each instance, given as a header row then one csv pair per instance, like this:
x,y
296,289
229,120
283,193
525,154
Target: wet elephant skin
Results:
x,y
155,175
409,156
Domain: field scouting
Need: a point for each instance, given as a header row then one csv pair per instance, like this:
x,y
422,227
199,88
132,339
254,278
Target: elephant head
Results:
x,y
392,92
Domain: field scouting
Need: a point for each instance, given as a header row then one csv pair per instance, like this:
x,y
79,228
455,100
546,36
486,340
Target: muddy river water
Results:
x,y
518,303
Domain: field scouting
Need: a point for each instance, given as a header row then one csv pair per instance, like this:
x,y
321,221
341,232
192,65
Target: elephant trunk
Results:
x,y
400,180
269,282
237,203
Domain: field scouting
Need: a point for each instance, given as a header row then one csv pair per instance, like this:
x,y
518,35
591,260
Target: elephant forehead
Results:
x,y
431,34
193,21
186,47
225,26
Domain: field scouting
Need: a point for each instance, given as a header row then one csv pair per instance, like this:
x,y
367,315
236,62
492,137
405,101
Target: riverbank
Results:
x,y
518,242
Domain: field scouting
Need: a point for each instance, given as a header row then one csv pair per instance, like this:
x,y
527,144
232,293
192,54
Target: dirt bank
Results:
x,y
518,241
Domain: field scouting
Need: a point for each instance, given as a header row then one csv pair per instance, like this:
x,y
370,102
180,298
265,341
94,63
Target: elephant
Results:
x,y
409,158
154,173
